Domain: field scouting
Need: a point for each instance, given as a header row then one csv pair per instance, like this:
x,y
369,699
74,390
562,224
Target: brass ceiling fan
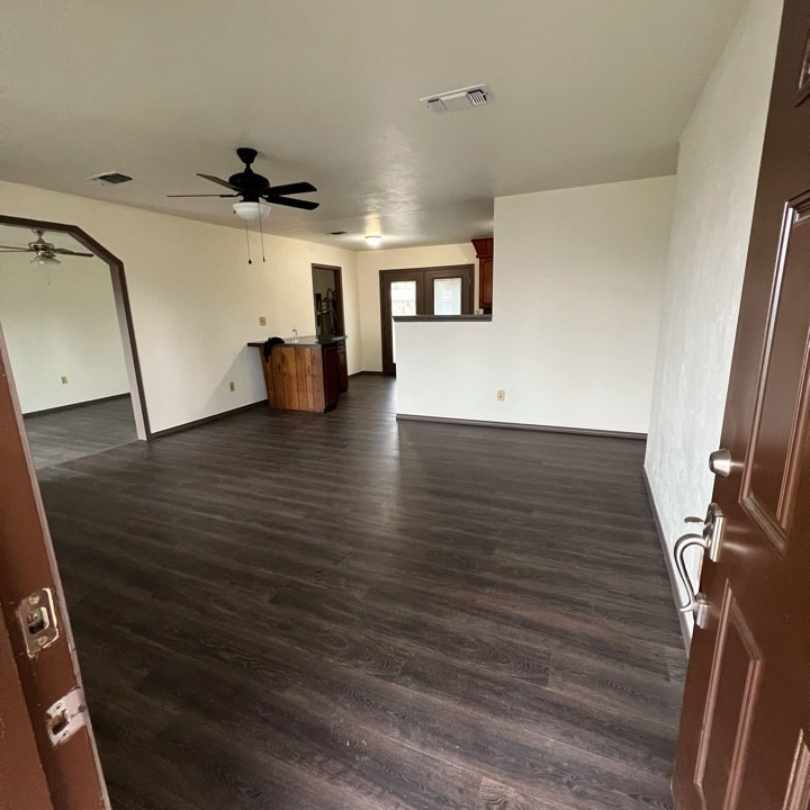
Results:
x,y
44,252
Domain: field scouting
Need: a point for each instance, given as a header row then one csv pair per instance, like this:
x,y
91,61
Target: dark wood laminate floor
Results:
x,y
295,611
81,431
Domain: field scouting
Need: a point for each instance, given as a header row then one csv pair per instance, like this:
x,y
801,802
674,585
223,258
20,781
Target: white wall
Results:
x,y
369,264
577,287
718,166
57,322
195,301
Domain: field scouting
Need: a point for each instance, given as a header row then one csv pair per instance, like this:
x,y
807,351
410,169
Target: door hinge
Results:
x,y
66,717
38,621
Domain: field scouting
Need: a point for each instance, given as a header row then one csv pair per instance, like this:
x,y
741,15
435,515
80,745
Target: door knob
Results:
x,y
720,463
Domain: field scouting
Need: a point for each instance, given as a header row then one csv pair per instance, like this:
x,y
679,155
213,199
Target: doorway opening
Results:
x,y
66,320
327,294
439,291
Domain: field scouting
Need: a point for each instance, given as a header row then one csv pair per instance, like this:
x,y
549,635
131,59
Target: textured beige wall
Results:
x,y
717,176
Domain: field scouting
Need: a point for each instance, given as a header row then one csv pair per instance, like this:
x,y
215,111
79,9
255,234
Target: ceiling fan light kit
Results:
x,y
251,211
44,259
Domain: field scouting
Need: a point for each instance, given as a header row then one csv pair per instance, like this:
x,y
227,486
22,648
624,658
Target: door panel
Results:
x,y
438,281
447,296
746,706
27,564
732,696
769,483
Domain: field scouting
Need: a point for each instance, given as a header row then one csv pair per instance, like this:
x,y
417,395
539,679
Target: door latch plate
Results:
x,y
66,717
38,621
713,531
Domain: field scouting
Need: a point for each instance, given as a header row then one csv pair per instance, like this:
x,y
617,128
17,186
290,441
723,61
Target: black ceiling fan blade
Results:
x,y
202,195
66,252
290,188
218,180
307,205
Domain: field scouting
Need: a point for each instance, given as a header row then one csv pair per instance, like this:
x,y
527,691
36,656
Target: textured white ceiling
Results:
x,y
585,91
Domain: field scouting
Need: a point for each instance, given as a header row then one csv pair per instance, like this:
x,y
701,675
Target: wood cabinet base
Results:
x,y
306,377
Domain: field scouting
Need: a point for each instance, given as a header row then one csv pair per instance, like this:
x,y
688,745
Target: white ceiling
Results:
x,y
585,91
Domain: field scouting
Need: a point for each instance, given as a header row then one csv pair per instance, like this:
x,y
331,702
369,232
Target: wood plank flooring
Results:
x,y
341,612
81,431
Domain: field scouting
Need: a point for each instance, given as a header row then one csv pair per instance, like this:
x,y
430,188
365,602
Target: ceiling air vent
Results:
x,y
476,95
337,233
113,178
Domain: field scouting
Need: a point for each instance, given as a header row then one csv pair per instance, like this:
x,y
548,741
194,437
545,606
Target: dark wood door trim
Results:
x,y
338,271
120,293
386,334
423,276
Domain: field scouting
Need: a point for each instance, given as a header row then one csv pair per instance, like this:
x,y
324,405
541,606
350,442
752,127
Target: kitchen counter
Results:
x,y
440,318
306,340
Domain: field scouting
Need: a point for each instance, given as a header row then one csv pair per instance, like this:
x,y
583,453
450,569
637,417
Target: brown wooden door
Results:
x,y
744,741
407,289
415,292
45,666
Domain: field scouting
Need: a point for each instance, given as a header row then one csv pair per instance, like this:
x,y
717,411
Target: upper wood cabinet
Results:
x,y
484,250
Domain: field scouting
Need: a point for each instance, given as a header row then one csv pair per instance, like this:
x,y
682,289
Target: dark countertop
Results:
x,y
441,318
305,340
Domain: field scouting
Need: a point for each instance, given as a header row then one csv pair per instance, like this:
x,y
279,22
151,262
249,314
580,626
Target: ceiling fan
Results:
x,y
44,252
253,188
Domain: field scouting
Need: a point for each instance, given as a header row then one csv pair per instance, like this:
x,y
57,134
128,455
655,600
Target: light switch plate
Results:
x,y
262,320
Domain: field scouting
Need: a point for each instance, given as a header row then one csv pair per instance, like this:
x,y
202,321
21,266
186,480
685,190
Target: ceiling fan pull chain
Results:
x,y
261,232
247,242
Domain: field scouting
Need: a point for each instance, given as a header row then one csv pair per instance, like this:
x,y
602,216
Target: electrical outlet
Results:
x,y
500,395
64,380
262,320
232,385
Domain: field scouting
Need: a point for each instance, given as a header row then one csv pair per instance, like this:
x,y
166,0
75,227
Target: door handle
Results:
x,y
710,539
684,542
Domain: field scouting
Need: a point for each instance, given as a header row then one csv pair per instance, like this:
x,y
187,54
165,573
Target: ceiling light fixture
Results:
x,y
251,211
45,259
374,240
